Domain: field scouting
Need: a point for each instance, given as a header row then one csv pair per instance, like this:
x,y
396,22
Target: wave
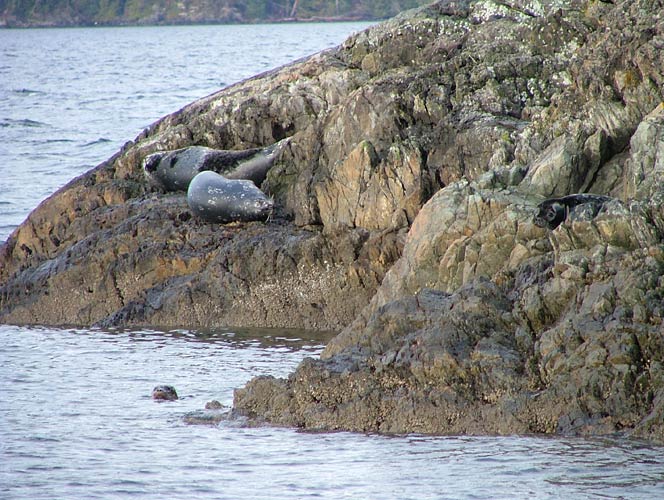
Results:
x,y
27,92
24,122
52,141
101,140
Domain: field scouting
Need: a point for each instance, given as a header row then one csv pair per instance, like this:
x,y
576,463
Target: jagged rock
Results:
x,y
645,167
487,324
419,152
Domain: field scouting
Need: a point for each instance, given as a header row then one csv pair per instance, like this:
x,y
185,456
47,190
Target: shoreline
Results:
x,y
289,20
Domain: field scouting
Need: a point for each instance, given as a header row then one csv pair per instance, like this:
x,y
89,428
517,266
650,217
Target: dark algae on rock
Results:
x,y
408,216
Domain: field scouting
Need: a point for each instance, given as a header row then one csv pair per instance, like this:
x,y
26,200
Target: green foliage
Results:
x,y
72,12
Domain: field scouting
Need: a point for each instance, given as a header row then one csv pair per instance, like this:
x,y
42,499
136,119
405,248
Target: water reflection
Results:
x,y
290,338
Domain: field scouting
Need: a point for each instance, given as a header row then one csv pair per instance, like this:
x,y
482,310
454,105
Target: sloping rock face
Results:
x,y
419,152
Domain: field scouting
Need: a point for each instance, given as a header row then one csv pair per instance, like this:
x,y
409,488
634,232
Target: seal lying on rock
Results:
x,y
174,170
164,393
214,198
553,212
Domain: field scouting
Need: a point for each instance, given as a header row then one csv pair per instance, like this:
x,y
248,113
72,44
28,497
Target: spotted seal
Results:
x,y
214,198
553,212
164,393
174,170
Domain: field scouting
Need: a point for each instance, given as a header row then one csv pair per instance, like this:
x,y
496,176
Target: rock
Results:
x,y
488,325
205,417
212,414
645,168
213,405
419,152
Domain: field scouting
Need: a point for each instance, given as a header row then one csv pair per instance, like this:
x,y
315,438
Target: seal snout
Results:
x,y
264,204
264,208
164,393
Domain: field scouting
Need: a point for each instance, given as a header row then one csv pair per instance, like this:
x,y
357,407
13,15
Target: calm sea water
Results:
x,y
76,417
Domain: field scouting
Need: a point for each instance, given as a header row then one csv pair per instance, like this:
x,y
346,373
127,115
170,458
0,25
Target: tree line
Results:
x,y
113,12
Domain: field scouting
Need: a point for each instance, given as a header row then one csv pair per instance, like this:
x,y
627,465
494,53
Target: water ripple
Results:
x,y
22,122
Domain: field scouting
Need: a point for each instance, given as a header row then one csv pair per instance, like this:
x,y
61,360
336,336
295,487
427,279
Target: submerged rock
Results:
x,y
405,202
213,414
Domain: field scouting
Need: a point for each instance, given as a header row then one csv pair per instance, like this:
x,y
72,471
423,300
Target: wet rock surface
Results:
x,y
420,150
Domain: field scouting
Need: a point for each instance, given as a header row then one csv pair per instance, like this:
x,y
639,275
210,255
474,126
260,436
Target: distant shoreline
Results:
x,y
315,19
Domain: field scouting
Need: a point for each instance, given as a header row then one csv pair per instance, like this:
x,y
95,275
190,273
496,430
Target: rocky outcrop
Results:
x,y
106,250
420,150
488,323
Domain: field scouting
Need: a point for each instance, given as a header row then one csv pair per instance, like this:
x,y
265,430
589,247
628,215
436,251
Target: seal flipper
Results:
x,y
257,166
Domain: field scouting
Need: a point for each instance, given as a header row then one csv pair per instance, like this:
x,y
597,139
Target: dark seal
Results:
x,y
214,198
554,211
164,393
174,170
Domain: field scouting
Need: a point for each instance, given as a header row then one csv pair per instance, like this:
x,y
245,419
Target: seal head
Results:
x,y
550,215
554,211
164,393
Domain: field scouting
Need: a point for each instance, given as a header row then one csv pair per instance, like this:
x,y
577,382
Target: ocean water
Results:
x,y
76,417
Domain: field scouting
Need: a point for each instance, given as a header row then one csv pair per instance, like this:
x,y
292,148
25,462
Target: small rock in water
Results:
x,y
213,405
211,415
164,393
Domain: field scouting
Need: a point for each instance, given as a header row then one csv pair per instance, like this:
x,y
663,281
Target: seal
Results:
x,y
554,211
214,198
164,393
174,170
